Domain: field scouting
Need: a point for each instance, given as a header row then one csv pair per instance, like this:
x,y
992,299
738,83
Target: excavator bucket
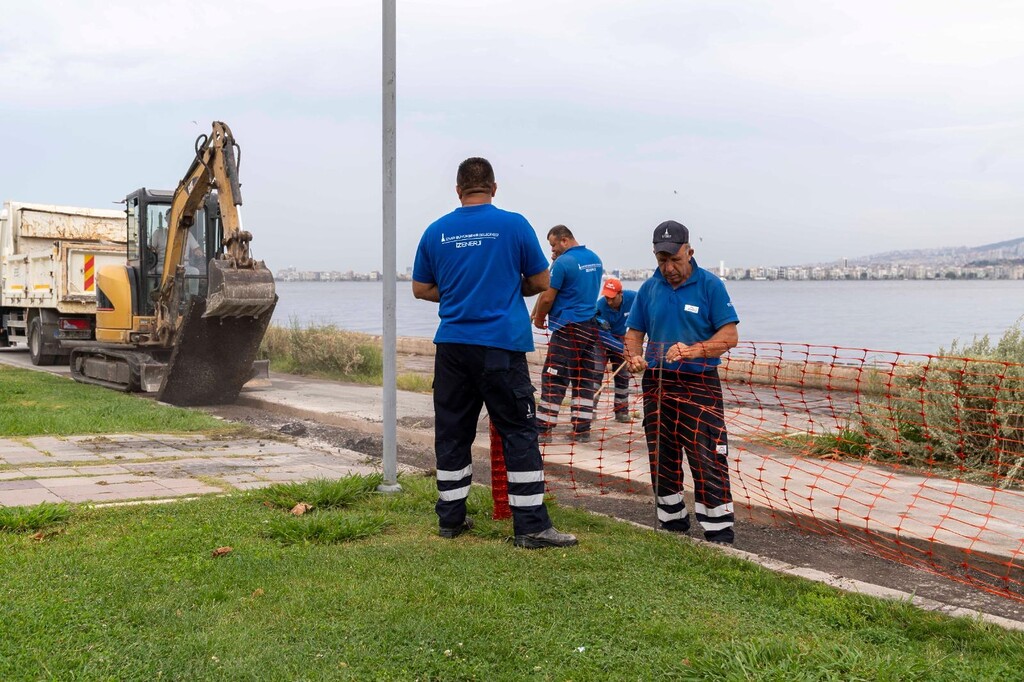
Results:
x,y
213,357
239,292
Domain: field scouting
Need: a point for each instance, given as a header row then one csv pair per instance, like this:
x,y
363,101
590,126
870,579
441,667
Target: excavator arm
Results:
x,y
238,285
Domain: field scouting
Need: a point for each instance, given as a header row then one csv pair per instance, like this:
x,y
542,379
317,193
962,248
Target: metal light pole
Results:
x,y
390,454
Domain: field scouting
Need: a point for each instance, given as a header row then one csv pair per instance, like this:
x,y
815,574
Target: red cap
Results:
x,y
612,288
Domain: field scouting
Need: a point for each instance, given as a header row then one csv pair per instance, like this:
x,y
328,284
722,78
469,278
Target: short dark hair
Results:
x,y
475,175
560,232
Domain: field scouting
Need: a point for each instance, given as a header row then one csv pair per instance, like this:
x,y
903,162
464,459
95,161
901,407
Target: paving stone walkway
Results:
x,y
121,467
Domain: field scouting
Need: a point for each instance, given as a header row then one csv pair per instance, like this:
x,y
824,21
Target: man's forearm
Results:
x,y
720,342
532,286
544,303
634,343
426,292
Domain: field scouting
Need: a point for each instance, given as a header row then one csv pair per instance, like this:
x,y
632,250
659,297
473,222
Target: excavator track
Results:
x,y
120,370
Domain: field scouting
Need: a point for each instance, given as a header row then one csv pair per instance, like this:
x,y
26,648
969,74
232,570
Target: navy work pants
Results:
x,y
571,361
683,416
614,359
466,377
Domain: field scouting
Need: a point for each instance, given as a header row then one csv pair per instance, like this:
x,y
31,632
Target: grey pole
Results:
x,y
390,454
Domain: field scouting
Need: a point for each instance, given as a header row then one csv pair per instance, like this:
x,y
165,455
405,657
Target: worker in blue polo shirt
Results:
x,y
689,321
479,262
572,349
613,306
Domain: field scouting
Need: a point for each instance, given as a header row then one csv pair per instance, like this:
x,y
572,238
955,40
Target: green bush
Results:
x,y
963,409
323,350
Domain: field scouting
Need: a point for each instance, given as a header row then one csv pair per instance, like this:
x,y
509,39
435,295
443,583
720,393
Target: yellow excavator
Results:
x,y
185,315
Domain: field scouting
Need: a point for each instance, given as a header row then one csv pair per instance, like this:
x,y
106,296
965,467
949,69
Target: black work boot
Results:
x,y
455,532
545,538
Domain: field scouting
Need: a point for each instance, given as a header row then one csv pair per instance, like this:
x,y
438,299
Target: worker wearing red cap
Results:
x,y
613,307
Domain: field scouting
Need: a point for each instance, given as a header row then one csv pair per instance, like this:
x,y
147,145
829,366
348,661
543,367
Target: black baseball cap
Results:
x,y
669,236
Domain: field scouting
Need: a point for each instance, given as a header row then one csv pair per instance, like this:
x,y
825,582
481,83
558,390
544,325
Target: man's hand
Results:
x,y
680,351
636,363
540,321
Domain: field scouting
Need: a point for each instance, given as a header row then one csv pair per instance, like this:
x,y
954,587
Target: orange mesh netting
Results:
x,y
915,458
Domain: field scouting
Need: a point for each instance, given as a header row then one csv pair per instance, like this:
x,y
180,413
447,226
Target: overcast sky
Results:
x,y
780,132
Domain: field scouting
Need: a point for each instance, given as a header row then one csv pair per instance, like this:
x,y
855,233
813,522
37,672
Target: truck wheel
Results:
x,y
35,344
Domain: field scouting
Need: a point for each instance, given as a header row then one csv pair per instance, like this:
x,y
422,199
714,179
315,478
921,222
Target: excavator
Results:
x,y
185,315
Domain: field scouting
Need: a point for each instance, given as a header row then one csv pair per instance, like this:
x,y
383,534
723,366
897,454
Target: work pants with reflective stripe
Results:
x,y
614,360
683,415
571,361
467,377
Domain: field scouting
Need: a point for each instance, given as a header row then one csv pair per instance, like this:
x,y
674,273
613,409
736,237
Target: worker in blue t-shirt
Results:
x,y
478,262
613,306
689,321
572,349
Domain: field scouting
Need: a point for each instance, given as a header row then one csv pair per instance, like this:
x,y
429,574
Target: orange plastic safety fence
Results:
x,y
499,478
916,458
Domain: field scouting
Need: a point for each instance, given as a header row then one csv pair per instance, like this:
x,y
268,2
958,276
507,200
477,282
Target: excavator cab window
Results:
x,y
195,259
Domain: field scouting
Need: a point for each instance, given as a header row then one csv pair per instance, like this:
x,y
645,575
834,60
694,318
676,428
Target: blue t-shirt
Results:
x,y
477,256
616,319
577,276
691,313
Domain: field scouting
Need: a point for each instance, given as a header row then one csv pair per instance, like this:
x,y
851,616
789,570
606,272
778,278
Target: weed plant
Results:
x,y
325,527
30,519
320,493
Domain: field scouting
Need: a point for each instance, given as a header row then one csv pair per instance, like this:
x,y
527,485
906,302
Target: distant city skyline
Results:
x,y
923,263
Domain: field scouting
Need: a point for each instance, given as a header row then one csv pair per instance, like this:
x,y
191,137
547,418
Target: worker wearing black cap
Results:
x,y
689,321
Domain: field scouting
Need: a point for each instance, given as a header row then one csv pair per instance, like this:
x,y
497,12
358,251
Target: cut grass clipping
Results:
x,y
29,519
317,510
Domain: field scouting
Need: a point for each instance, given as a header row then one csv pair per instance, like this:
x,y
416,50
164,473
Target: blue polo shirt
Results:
x,y
577,276
691,313
477,256
616,319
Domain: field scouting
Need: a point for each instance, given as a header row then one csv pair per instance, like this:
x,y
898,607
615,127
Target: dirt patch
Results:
x,y
829,554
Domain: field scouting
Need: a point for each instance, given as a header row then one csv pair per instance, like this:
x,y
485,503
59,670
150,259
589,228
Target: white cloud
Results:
x,y
784,130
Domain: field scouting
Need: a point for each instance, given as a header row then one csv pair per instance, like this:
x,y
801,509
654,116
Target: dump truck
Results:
x,y
49,259
185,314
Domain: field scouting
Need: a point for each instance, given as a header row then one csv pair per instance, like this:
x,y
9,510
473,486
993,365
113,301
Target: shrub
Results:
x,y
963,409
322,350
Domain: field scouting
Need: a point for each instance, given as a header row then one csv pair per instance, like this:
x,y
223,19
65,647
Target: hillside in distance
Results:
x,y
988,254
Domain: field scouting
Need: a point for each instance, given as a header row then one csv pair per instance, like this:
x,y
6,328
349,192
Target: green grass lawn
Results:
x,y
136,593
34,403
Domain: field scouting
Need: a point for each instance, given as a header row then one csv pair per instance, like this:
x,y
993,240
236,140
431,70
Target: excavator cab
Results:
x,y
148,227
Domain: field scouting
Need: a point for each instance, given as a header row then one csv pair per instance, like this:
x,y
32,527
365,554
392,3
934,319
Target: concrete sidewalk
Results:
x,y
119,467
